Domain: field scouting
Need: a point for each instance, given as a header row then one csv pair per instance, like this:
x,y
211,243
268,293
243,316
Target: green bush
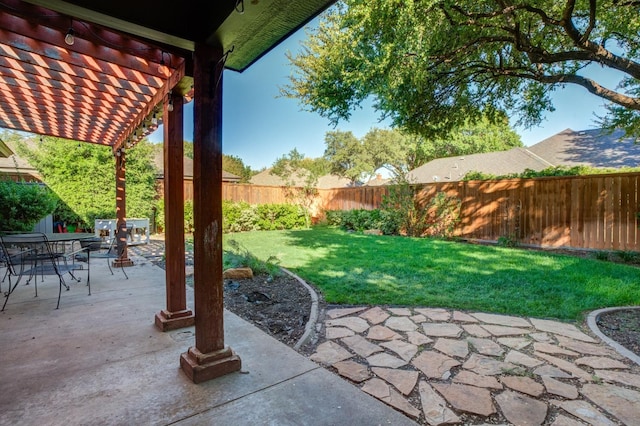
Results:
x,y
362,220
188,216
580,170
24,205
334,217
405,214
280,216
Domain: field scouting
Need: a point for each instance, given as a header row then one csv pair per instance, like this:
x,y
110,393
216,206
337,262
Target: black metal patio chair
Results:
x,y
32,255
95,248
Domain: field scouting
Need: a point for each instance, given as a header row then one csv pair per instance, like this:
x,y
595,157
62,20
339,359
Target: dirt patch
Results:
x,y
622,326
279,305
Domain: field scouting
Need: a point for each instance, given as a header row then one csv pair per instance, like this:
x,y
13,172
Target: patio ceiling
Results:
x,y
108,87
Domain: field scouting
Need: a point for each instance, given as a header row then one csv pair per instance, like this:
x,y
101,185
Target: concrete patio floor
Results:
x,y
99,360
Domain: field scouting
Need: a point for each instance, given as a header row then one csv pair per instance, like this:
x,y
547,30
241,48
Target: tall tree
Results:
x,y
433,65
398,152
82,175
345,154
235,165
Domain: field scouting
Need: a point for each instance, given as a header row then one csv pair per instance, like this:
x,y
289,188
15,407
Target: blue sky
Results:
x,y
259,126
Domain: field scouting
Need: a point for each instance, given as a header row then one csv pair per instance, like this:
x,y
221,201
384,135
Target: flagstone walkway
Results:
x,y
440,366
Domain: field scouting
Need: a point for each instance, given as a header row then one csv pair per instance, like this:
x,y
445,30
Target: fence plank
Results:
x,y
594,212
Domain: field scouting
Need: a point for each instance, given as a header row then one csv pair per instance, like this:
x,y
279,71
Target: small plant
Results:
x,y
239,256
508,241
628,256
601,255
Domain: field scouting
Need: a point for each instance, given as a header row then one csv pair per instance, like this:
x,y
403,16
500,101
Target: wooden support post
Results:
x,y
121,211
176,315
209,358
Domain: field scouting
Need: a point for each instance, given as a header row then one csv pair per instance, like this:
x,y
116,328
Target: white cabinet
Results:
x,y
137,230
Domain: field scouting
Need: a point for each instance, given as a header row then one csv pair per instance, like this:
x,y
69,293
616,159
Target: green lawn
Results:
x,y
350,268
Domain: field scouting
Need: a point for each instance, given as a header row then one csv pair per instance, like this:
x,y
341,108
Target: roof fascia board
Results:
x,y
115,23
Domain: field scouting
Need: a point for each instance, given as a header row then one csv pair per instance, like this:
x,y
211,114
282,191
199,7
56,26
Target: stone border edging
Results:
x,y
313,315
592,322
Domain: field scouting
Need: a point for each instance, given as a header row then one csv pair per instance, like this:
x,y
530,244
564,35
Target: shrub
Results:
x,y
407,214
334,217
280,216
188,216
23,205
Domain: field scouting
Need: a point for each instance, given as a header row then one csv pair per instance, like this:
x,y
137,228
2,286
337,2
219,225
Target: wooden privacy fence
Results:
x,y
591,212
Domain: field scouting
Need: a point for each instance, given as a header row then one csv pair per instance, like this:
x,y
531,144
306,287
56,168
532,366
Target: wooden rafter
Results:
x,y
99,90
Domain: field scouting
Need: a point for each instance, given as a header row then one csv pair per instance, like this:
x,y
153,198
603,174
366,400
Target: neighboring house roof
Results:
x,y
265,178
378,181
451,169
18,167
5,151
158,160
589,147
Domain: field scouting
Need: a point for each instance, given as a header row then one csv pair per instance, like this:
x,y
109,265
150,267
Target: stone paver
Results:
x,y
563,329
385,360
516,357
435,314
382,391
439,366
522,410
329,353
462,317
556,387
548,348
375,315
338,332
435,408
600,362
353,371
452,347
356,324
467,398
516,343
585,411
473,379
585,348
338,313
402,380
361,346
503,330
380,332
486,346
417,338
404,350
401,324
523,385
475,330
621,402
501,320
435,365
624,378
486,366
441,330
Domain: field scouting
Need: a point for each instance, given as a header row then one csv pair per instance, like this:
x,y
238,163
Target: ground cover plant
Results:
x,y
352,268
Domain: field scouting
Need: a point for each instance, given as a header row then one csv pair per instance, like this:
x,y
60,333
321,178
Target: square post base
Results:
x,y
167,321
201,367
121,263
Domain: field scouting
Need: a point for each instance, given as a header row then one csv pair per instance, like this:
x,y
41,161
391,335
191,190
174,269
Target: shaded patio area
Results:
x,y
99,359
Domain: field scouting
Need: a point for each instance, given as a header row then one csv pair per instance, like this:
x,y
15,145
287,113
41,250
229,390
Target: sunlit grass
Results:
x,y
350,268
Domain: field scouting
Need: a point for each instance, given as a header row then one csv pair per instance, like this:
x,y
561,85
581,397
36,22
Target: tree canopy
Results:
x,y
430,66
82,175
398,152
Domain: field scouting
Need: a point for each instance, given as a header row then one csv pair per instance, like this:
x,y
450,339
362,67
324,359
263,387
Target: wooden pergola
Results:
x,y
109,73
